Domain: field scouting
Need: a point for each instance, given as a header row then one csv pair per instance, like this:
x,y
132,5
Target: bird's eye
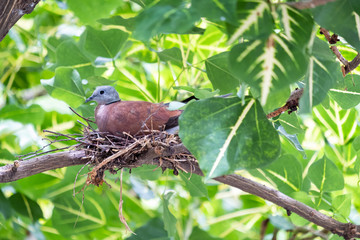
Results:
x,y
102,92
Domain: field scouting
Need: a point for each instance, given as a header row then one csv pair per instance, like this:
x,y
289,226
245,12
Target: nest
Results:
x,y
112,153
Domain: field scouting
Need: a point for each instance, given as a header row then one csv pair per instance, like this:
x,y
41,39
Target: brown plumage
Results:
x,y
134,117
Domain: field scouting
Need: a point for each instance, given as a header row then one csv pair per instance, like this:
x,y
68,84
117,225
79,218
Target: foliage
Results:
x,y
167,50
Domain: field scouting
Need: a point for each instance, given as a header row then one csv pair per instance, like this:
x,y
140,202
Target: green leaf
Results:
x,y
216,10
347,13
167,16
290,123
66,86
356,144
33,114
105,44
194,184
69,54
128,23
217,70
172,55
26,207
94,81
297,25
326,176
254,20
322,73
293,139
88,11
168,217
198,233
347,92
225,135
286,173
340,124
153,230
267,65
342,205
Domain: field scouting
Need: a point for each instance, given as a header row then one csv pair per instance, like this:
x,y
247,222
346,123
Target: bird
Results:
x,y
116,117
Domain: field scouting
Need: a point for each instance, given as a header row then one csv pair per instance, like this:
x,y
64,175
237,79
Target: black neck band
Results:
x,y
113,102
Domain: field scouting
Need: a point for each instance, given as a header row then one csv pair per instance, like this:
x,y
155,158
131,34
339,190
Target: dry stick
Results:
x,y
121,201
292,103
348,66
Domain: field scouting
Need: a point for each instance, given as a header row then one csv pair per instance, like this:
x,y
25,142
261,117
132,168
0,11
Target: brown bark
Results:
x,y
11,11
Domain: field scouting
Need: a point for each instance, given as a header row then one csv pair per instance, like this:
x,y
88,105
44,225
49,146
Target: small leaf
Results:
x,y
128,23
217,70
105,44
173,55
66,86
168,217
290,123
326,176
224,135
293,139
286,172
194,184
26,207
342,205
347,92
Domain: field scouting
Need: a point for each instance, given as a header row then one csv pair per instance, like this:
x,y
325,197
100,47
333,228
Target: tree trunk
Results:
x,y
11,11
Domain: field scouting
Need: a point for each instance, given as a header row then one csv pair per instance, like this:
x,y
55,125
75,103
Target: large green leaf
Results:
x,y
347,22
254,20
103,43
326,176
173,55
225,135
167,16
66,86
69,54
268,65
297,25
217,70
322,73
347,92
153,230
90,10
33,114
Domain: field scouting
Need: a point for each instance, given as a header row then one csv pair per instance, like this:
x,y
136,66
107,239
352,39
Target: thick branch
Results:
x,y
11,11
21,169
309,4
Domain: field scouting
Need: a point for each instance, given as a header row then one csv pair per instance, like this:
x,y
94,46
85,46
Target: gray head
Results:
x,y
104,95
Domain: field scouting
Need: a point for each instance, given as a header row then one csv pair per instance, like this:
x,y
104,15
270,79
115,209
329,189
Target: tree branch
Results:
x,y
22,169
308,4
11,11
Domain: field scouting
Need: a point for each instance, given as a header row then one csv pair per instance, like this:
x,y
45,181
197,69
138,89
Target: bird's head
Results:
x,y
104,95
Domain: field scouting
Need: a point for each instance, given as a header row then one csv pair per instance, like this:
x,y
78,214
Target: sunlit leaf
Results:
x,y
326,176
33,114
66,86
194,184
347,92
225,135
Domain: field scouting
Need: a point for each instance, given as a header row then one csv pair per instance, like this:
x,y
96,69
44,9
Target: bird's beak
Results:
x,y
89,99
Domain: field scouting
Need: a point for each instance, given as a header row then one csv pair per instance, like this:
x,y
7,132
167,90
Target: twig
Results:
x,y
121,201
348,66
291,104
